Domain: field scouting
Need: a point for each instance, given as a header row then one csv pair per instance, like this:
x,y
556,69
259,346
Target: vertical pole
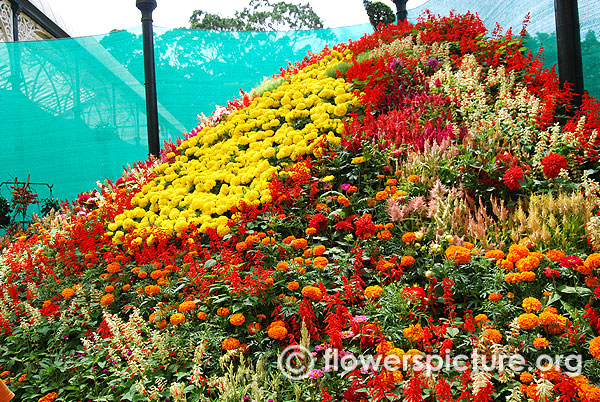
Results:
x,y
568,41
401,12
146,7
16,10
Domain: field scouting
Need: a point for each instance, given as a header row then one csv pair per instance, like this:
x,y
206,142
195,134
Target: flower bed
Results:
x,y
419,198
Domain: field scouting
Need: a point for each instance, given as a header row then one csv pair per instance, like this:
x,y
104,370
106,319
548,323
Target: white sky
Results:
x,y
87,17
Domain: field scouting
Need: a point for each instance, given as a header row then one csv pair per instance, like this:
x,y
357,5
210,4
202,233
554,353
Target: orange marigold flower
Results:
x,y
293,285
556,255
384,235
277,332
414,333
312,293
407,261
468,245
373,292
268,241
113,267
528,321
109,289
310,231
531,304
177,318
458,255
298,244
505,264
381,195
592,261
289,240
480,318
494,297
319,249
152,290
156,274
321,207
343,200
186,306
222,311
253,328
540,343
241,246
595,348
307,253
269,281
67,293
413,178
142,274
202,316
230,344
528,263
320,262
492,334
495,255
237,319
135,270
526,377
283,266
126,286
519,249
591,282
352,189
391,182
107,299
552,322
513,257
408,237
385,346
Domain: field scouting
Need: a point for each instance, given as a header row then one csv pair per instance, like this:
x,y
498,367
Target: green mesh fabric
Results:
x,y
74,109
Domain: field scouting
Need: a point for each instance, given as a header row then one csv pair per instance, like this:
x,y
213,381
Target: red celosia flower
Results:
x,y
513,177
553,163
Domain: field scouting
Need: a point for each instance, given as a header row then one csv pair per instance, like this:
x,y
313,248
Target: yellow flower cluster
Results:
x,y
234,160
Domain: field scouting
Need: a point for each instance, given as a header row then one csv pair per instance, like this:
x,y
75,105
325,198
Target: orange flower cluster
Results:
x,y
528,263
383,265
277,330
556,255
293,285
50,397
312,292
373,292
237,319
202,316
408,237
531,304
381,195
595,348
107,299
413,178
552,322
407,261
67,293
540,343
492,334
494,297
113,268
519,277
222,311
230,344
528,321
320,262
186,306
414,333
152,290
177,318
458,255
592,261
319,250
344,201
298,244
495,255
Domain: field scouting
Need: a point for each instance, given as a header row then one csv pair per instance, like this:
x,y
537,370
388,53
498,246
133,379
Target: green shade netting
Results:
x,y
73,110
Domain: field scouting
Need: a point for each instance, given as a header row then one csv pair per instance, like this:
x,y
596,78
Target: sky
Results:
x,y
87,17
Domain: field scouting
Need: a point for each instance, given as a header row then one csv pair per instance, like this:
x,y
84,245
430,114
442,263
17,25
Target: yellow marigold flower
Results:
x,y
319,249
107,299
230,344
528,263
531,304
67,293
414,333
237,319
458,255
320,262
222,311
186,306
277,332
528,321
177,318
407,261
312,293
373,292
556,255
494,297
357,160
495,255
413,178
540,343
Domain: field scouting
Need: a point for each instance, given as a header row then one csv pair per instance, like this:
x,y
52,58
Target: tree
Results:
x,y
260,15
378,12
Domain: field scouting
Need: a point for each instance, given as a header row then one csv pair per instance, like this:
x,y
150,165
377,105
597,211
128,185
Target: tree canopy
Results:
x,y
379,12
260,15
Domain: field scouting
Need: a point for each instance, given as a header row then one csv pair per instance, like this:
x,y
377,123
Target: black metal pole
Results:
x,y
146,7
568,41
16,9
401,12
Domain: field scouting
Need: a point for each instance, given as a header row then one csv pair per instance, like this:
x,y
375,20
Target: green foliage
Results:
x,y
379,13
267,85
260,15
340,69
